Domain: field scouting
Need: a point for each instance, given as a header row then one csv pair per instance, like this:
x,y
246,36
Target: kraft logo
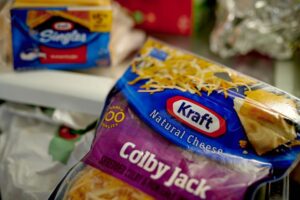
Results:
x,y
63,26
196,116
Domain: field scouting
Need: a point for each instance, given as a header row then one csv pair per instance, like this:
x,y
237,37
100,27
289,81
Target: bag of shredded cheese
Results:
x,y
178,126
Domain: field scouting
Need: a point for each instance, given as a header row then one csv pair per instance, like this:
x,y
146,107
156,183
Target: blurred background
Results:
x,y
260,38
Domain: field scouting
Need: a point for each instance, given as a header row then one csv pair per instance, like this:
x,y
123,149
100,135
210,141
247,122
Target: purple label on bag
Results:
x,y
131,151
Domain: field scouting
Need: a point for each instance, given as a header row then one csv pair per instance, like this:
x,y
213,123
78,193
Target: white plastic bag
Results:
x,y
27,168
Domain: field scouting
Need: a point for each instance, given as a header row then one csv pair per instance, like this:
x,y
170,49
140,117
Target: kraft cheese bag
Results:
x,y
178,126
61,34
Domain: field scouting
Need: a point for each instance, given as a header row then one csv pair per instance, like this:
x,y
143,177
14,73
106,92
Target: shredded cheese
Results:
x,y
184,72
93,184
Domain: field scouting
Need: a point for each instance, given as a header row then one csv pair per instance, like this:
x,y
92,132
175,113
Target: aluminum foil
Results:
x,y
271,27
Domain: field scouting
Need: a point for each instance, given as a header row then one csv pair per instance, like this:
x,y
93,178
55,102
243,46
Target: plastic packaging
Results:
x,y
37,147
122,34
61,35
177,126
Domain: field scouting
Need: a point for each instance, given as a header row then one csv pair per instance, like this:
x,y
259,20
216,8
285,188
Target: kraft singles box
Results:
x,y
53,36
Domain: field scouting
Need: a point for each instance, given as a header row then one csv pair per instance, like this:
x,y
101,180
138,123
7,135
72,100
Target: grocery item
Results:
x,y
178,126
37,147
269,27
186,18
61,34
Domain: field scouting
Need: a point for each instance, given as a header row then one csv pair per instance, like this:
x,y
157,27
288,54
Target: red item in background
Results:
x,y
166,16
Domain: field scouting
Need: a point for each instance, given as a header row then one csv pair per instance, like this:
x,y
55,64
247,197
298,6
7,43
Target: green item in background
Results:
x,y
62,144
47,111
203,16
138,17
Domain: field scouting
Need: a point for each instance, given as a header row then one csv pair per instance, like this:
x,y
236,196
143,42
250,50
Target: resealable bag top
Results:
x,y
178,126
